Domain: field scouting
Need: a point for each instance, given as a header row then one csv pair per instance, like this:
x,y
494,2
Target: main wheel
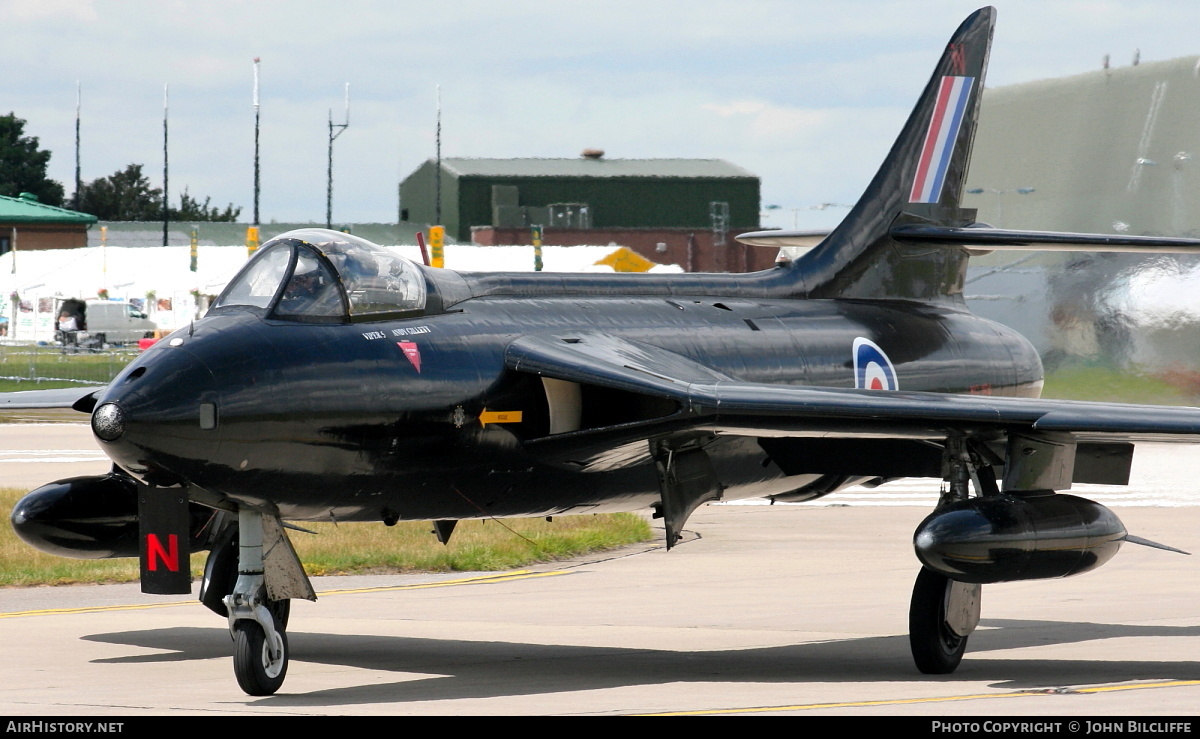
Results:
x,y
256,673
936,649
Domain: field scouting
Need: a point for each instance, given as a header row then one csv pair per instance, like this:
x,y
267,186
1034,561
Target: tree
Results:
x,y
127,196
23,164
191,209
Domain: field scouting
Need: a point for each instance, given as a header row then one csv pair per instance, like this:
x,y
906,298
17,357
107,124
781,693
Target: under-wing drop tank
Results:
x,y
1002,538
94,517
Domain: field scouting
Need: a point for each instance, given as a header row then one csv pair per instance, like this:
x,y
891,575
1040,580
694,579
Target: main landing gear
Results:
x,y
941,616
944,612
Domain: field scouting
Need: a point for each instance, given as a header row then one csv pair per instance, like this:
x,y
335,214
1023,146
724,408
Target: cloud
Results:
x,y
807,95
773,121
59,10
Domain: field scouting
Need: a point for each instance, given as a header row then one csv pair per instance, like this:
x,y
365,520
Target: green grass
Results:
x,y
360,548
28,367
9,386
475,545
1107,384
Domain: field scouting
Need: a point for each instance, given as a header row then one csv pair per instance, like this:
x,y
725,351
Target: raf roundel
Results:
x,y
872,368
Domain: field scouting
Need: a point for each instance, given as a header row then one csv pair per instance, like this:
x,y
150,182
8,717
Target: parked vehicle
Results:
x,y
117,322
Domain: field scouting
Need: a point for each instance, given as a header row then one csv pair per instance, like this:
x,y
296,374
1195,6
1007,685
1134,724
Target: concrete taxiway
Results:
x,y
784,609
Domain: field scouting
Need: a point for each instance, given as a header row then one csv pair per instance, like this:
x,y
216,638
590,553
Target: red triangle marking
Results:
x,y
411,351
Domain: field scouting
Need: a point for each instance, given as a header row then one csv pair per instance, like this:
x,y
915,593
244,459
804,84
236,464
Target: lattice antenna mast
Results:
x,y
335,130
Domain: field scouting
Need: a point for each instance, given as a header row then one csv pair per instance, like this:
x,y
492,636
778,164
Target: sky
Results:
x,y
807,95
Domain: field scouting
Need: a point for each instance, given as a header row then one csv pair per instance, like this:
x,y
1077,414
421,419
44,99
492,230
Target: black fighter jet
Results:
x,y
336,380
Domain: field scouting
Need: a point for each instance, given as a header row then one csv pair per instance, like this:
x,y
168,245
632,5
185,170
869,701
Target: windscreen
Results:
x,y
259,280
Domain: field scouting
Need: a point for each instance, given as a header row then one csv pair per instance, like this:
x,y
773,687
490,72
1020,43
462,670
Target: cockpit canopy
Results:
x,y
319,276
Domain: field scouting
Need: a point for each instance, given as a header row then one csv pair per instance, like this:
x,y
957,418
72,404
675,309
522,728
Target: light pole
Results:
x,y
256,172
166,208
78,178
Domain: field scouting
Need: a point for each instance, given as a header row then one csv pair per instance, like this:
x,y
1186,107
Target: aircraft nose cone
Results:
x,y
108,422
149,421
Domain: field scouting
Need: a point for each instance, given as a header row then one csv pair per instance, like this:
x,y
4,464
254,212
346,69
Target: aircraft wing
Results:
x,y
710,401
32,406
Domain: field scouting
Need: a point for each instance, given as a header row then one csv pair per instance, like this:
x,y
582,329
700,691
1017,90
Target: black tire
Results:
x,y
250,660
282,611
935,648
220,572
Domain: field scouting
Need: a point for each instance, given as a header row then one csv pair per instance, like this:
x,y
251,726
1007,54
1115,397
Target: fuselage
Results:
x,y
388,419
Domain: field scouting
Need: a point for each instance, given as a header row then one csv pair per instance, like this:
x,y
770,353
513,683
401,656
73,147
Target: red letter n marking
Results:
x,y
155,552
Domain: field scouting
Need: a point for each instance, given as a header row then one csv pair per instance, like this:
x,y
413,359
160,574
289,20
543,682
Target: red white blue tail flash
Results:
x,y
872,368
939,139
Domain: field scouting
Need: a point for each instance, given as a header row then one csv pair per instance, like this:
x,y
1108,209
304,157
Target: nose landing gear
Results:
x,y
269,574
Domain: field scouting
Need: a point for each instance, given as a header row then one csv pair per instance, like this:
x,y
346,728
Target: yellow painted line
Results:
x,y
941,699
486,579
1140,686
506,577
98,609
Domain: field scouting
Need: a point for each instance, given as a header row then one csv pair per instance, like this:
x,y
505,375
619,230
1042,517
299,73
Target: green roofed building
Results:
x,y
586,192
27,224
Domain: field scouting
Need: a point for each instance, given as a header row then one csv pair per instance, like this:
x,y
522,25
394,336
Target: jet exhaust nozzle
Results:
x,y
1003,538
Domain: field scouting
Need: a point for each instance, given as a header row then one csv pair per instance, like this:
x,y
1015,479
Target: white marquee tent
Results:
x,y
160,282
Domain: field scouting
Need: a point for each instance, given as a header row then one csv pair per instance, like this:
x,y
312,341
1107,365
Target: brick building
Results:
x,y
26,224
586,193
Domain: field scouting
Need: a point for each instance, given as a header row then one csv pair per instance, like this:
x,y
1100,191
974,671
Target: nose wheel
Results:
x,y
260,661
941,616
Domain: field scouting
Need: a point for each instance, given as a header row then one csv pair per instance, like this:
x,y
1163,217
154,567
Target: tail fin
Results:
x,y
920,182
907,237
